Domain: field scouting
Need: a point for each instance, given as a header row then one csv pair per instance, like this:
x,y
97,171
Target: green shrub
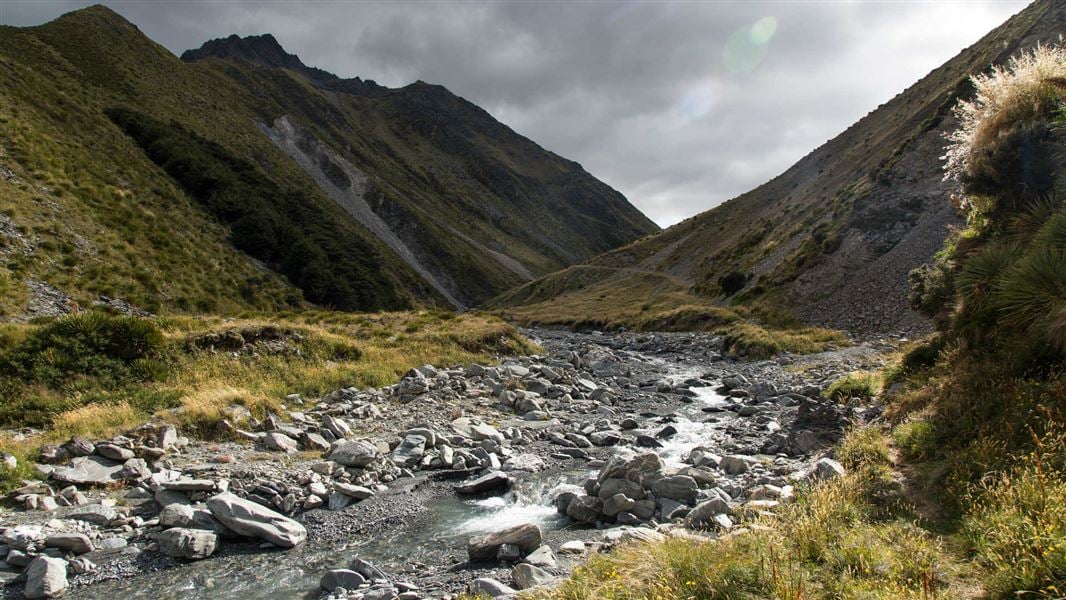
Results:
x,y
282,227
89,345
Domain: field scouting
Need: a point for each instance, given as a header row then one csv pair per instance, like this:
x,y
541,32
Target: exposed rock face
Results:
x,y
245,517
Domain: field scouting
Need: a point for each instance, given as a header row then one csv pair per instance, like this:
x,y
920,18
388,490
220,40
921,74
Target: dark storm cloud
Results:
x,y
679,105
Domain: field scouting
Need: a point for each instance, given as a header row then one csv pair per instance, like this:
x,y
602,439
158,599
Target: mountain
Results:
x,y
833,238
237,177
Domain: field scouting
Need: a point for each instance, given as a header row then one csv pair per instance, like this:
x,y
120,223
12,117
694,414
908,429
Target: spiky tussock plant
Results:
x,y
1011,107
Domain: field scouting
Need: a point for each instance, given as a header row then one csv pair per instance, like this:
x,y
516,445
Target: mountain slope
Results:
x,y
833,237
378,198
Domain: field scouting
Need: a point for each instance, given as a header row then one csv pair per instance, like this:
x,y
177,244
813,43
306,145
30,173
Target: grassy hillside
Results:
x,y
110,221
93,211
832,238
960,490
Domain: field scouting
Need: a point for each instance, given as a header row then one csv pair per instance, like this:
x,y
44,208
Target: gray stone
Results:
x,y
353,453
826,469
542,557
193,544
77,543
341,578
616,504
490,588
188,517
114,452
736,464
280,442
353,491
527,537
93,513
702,517
584,509
678,487
610,487
409,451
247,518
526,576
313,441
46,577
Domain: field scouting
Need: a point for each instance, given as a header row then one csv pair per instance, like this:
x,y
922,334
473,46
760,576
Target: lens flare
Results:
x,y
696,102
746,48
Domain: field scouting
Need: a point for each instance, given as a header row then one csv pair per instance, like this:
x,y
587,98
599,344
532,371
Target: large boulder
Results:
x,y
188,517
193,544
677,487
78,543
46,577
353,453
247,518
410,450
527,537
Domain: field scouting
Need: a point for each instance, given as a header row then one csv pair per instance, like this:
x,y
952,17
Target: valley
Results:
x,y
270,332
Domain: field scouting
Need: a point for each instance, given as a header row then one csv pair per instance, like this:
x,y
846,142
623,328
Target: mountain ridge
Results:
x,y
454,185
844,224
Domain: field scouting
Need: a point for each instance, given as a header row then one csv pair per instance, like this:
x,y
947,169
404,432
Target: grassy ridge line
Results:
x,y
81,383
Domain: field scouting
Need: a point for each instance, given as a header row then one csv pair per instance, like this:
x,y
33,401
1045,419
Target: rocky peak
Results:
x,y
263,50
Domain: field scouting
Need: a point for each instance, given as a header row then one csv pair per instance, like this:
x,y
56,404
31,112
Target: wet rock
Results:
x,y
247,518
192,544
492,481
646,441
341,578
46,578
527,537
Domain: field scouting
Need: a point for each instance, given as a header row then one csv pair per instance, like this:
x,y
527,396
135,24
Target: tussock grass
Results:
x,y
856,385
755,341
1011,103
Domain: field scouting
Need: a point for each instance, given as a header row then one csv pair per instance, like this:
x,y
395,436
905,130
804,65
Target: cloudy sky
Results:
x,y
679,105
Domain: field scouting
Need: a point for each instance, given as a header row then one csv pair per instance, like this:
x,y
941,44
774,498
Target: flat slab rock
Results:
x,y
89,470
247,518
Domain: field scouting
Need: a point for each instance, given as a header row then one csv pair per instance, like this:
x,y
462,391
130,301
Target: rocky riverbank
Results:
x,y
492,477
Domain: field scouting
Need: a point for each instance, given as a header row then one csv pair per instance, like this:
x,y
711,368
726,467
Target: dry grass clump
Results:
x,y
1010,101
